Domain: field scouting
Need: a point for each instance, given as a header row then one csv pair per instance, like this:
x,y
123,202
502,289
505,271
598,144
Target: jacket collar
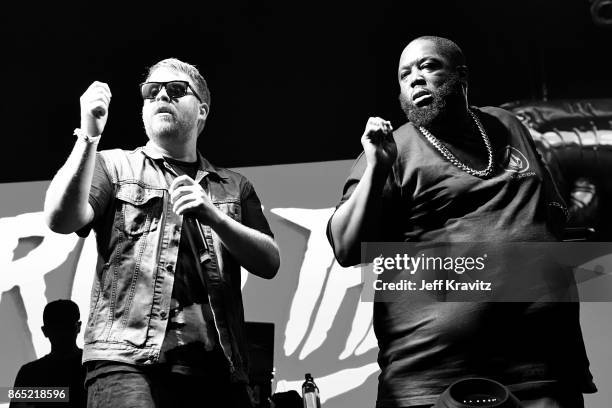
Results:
x,y
150,150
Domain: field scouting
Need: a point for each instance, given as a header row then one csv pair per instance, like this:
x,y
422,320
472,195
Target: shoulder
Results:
x,y
29,372
29,367
405,133
412,146
504,116
120,161
498,117
231,175
228,175
41,362
113,155
407,138
230,181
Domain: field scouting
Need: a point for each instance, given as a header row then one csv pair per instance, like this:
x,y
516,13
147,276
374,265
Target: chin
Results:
x,y
162,130
423,115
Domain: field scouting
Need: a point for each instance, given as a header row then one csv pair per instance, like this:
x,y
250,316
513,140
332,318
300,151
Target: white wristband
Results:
x,y
81,134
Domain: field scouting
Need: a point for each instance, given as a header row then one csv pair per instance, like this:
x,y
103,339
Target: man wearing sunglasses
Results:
x,y
166,320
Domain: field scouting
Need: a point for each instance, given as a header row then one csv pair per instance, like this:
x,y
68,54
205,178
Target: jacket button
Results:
x,y
169,268
163,314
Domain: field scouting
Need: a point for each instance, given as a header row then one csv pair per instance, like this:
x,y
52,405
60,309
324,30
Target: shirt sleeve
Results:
x,y
100,193
353,179
349,186
252,214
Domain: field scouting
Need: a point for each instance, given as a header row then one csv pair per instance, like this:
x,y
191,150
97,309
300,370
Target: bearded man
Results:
x,y
457,173
166,320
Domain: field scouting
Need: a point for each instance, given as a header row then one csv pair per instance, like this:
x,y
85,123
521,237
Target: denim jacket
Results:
x,y
138,238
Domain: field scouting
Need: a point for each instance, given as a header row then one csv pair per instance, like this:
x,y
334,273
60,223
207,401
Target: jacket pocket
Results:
x,y
231,208
139,209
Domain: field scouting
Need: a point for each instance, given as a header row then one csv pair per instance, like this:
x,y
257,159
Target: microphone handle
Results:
x,y
199,241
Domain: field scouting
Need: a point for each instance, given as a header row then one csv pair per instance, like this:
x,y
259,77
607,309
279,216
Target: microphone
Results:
x,y
197,240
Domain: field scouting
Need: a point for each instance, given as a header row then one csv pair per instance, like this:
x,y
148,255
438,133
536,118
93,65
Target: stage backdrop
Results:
x,y
321,326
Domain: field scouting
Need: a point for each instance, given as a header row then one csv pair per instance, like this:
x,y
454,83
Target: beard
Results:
x,y
441,110
162,129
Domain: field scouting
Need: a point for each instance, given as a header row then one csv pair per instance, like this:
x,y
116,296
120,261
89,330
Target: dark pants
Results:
x,y
158,389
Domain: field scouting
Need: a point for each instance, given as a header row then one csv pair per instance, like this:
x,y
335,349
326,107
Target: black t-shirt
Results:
x,y
54,371
188,287
424,347
191,332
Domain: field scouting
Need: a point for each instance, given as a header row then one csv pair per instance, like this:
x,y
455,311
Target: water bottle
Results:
x,y
310,393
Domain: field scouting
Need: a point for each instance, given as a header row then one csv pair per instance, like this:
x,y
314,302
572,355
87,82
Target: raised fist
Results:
x,y
94,108
378,143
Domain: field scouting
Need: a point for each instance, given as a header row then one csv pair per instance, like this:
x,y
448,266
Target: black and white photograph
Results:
x,y
328,204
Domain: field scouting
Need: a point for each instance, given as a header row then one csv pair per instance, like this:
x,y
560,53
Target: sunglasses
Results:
x,y
174,89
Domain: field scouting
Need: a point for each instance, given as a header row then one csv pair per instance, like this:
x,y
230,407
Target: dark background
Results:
x,y
291,81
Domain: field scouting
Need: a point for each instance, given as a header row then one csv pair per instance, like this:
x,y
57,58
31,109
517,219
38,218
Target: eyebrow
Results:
x,y
418,62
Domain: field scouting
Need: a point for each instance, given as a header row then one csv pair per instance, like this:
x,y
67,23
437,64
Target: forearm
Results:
x,y
255,251
66,205
359,218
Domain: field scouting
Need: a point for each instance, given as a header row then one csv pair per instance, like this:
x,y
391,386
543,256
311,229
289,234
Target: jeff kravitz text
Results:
x,y
405,263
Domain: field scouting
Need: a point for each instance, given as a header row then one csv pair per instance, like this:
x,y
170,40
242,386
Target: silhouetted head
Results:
x,y
62,323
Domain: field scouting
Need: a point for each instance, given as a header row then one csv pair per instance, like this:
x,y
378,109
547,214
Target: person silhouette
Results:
x,y
62,366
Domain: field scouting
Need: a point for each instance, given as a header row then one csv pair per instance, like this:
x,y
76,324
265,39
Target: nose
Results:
x,y
162,95
416,78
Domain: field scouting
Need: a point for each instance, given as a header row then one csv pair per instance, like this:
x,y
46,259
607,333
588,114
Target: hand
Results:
x,y
378,143
189,198
94,108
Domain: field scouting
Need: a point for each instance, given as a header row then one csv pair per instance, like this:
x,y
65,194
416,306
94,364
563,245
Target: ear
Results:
x,y
44,330
462,70
78,327
203,111
202,115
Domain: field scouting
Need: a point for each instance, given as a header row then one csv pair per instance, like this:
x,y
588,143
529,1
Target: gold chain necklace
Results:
x,y
451,158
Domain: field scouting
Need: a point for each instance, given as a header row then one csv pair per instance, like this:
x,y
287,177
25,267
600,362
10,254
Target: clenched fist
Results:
x,y
378,144
94,108
189,198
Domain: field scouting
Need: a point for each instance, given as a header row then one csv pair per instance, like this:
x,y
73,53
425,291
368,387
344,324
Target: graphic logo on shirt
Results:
x,y
516,162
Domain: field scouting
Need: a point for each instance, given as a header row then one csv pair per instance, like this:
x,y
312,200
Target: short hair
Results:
x,y
61,313
190,70
449,48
